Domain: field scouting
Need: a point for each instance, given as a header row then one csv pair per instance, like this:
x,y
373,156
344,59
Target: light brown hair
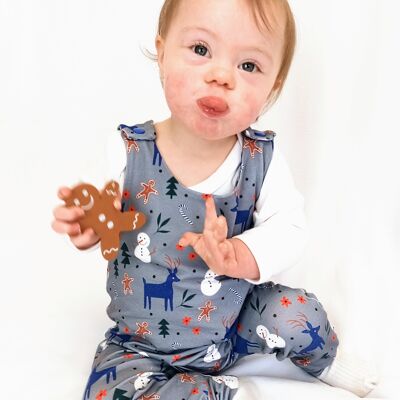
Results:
x,y
259,11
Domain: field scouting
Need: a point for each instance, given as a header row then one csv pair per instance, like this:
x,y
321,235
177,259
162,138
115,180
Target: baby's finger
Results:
x,y
215,255
220,229
189,239
66,228
68,214
64,192
86,240
211,214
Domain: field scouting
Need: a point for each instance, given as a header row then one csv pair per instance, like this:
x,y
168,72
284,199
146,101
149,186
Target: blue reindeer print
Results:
x,y
116,336
96,375
242,216
161,290
240,344
316,340
157,157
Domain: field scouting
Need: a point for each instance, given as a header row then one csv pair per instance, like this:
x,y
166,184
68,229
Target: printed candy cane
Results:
x,y
239,299
184,216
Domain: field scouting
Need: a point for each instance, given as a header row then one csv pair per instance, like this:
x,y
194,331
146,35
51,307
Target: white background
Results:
x,y
71,71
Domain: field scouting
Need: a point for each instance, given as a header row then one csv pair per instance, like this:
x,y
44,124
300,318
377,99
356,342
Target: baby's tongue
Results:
x,y
214,103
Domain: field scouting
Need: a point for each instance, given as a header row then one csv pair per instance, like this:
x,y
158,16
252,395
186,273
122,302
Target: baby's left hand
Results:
x,y
212,245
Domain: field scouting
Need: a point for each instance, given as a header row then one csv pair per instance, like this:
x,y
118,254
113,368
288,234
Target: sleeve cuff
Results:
x,y
275,250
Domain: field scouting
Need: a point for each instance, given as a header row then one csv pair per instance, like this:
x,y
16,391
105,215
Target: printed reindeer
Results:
x,y
163,290
240,344
242,216
316,341
96,375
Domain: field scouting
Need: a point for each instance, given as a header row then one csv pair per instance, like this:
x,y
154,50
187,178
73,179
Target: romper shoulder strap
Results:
x,y
143,131
264,136
259,147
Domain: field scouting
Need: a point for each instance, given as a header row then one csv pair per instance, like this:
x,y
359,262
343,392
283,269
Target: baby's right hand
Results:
x,y
66,221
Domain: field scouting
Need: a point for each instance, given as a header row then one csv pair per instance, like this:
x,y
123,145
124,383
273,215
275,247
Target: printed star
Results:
x,y
187,378
131,143
142,329
285,302
126,282
252,146
101,394
176,357
206,309
301,299
148,189
153,396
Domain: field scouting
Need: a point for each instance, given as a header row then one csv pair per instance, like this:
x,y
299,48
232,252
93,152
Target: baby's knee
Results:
x,y
291,314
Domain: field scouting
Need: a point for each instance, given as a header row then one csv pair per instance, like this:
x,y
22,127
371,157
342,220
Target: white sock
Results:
x,y
350,373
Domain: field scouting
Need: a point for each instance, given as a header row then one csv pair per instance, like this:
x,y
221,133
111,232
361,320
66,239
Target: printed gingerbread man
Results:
x,y
102,216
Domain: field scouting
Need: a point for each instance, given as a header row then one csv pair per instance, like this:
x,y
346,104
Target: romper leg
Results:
x,y
122,374
196,386
117,373
288,322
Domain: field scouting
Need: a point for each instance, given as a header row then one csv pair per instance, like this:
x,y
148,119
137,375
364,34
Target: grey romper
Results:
x,y
178,325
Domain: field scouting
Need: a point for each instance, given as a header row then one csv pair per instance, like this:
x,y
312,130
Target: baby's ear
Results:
x,y
277,84
160,46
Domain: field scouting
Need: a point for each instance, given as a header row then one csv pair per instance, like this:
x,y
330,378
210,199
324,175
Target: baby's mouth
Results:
x,y
213,106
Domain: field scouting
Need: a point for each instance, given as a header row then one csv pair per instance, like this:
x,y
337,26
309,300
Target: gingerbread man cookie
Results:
x,y
102,216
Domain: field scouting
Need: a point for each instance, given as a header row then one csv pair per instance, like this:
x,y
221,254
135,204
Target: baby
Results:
x,y
191,291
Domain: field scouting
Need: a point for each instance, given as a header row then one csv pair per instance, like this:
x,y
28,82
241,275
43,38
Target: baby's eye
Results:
x,y
249,66
200,49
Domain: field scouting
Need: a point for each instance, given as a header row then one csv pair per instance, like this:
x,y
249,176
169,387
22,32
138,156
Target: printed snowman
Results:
x,y
143,380
141,251
271,339
229,380
212,354
210,285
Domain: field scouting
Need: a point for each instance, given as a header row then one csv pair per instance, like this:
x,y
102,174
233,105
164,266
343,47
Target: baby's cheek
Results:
x,y
175,88
251,107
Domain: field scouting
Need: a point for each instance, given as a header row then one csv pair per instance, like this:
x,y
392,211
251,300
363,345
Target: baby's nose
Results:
x,y
223,76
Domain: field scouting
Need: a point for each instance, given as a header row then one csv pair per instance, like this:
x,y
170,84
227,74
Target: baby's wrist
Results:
x,y
246,265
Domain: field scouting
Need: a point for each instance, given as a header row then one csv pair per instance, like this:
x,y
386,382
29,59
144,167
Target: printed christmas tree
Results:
x,y
119,395
163,328
116,268
125,254
172,187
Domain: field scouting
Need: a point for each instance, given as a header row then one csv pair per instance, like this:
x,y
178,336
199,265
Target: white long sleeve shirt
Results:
x,y
279,234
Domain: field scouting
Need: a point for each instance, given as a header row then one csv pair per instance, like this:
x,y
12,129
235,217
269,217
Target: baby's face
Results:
x,y
214,49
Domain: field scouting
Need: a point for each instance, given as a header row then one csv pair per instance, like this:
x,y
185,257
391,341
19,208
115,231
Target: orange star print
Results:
x,y
126,282
205,311
148,189
142,329
187,378
252,146
153,396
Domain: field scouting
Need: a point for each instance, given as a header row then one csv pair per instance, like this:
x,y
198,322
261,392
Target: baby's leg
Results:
x,y
289,322
118,373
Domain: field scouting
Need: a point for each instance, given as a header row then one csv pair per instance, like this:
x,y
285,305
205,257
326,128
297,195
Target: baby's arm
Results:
x,y
280,231
66,221
229,257
273,245
66,218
